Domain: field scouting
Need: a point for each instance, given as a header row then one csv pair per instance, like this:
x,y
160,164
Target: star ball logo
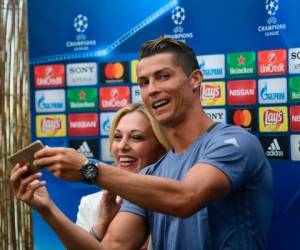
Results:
x,y
114,72
80,24
273,27
178,16
245,118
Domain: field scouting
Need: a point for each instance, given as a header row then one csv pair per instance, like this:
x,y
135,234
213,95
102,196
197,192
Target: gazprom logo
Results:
x,y
105,122
50,101
272,90
212,66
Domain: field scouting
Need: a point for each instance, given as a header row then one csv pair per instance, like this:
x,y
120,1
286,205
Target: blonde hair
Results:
x,y
156,128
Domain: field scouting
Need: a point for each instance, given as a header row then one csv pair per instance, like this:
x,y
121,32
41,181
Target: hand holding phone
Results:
x,y
26,156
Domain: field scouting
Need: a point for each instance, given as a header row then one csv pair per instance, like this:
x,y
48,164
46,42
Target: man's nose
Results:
x,y
153,88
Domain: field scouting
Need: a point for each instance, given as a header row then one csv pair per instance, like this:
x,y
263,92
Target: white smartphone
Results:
x,y
26,155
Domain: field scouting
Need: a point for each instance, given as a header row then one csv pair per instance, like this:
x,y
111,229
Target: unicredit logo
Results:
x,y
272,62
49,76
114,98
273,117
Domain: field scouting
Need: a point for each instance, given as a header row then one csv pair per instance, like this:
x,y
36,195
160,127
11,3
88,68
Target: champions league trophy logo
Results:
x,y
80,25
272,7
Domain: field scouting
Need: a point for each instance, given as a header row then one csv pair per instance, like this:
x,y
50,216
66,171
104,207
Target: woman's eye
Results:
x,y
138,137
117,137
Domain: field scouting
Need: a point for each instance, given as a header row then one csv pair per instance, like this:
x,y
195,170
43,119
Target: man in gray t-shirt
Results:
x,y
212,191
238,221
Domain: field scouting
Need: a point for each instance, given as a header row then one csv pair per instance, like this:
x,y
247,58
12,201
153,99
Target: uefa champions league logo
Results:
x,y
80,23
272,7
178,15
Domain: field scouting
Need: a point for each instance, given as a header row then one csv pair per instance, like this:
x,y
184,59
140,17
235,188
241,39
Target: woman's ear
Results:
x,y
196,79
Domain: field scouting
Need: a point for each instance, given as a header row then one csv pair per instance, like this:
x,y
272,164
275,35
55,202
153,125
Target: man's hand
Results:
x,y
64,163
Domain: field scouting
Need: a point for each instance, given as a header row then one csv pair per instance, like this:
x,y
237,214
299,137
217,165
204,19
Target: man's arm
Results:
x,y
203,184
119,235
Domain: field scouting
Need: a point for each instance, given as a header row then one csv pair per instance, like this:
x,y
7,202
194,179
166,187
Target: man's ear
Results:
x,y
196,79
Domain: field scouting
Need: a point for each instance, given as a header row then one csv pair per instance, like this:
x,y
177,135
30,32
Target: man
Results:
x,y
213,190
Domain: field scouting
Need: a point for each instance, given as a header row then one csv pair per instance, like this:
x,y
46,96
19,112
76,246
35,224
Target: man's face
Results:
x,y
166,90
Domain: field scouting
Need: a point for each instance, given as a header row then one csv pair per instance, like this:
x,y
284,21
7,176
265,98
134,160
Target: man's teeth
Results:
x,y
159,103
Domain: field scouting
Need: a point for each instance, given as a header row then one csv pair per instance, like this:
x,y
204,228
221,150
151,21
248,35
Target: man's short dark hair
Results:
x,y
184,56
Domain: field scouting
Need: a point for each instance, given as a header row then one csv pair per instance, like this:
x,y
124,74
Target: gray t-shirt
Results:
x,y
239,221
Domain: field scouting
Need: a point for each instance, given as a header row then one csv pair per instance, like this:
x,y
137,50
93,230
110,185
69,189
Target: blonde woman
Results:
x,y
136,141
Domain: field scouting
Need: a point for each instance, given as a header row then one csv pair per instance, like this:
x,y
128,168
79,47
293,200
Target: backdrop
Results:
x,y
82,69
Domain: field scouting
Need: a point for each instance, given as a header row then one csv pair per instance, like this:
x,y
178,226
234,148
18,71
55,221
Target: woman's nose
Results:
x,y
124,144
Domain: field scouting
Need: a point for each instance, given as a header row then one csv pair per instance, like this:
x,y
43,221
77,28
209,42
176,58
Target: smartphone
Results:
x,y
26,156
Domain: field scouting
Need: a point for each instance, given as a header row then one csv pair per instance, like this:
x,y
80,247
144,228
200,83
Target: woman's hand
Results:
x,y
109,207
28,188
64,163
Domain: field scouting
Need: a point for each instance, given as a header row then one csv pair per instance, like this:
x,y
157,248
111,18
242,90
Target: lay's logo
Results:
x,y
273,119
51,126
212,93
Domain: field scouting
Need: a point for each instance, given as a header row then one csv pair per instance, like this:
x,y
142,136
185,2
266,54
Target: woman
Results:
x,y
133,147
136,141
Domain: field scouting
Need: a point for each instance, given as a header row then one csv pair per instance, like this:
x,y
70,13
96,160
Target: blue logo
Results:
x,y
271,96
106,125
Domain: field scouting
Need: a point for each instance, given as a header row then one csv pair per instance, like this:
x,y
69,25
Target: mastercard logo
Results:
x,y
242,118
114,70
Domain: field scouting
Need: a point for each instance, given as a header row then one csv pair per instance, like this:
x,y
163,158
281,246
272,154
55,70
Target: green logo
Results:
x,y
241,64
82,99
294,89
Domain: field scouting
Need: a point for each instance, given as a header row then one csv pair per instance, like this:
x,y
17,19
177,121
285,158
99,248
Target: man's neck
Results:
x,y
184,134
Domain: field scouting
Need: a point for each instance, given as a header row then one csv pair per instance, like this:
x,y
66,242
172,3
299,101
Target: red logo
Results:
x,y
114,72
208,91
244,118
273,117
85,124
49,76
49,123
295,118
272,62
114,98
241,92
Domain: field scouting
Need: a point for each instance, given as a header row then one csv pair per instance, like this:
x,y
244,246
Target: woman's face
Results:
x,y
134,145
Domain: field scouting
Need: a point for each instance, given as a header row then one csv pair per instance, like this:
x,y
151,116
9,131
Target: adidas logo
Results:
x,y
85,150
232,141
274,149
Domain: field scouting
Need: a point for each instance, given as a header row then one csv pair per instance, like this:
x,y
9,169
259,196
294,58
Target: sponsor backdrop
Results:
x,y
83,56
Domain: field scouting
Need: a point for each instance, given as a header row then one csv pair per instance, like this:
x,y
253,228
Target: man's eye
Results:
x,y
164,77
143,82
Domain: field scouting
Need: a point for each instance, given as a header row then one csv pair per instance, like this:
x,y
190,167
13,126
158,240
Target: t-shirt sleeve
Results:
x,y
234,155
131,207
